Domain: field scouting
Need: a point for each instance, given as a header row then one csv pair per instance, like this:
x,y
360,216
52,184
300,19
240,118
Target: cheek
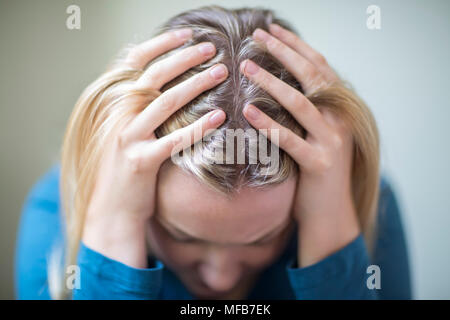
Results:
x,y
173,253
257,257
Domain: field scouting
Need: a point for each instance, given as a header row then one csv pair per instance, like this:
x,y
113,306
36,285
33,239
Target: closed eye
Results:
x,y
181,238
184,239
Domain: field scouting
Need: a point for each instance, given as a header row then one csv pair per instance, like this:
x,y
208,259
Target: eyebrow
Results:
x,y
271,234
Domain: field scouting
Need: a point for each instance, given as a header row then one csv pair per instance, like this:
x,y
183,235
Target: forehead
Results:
x,y
193,207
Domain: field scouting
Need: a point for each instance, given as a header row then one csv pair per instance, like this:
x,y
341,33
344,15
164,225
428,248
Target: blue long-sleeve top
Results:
x,y
342,275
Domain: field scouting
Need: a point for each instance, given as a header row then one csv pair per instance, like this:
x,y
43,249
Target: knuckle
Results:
x,y
297,41
300,102
135,54
155,70
289,36
274,44
334,121
193,54
171,37
336,141
289,141
122,140
167,102
319,59
264,80
133,161
174,145
322,162
188,56
202,82
312,72
321,83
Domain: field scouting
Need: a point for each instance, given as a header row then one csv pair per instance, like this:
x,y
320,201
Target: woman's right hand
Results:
x,y
124,195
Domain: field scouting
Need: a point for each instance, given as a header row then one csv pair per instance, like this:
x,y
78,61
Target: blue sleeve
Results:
x,y
40,230
104,278
344,274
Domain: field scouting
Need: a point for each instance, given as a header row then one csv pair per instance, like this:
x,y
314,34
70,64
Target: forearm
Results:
x,y
321,234
122,240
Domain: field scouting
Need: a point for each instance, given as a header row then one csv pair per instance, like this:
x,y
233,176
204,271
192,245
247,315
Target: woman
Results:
x,y
144,218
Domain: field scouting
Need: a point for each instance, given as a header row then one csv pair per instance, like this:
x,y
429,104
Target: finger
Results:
x,y
303,70
140,55
173,99
167,69
293,144
183,138
300,46
293,100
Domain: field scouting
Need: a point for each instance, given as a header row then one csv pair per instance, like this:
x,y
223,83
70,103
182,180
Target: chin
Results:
x,y
201,291
211,295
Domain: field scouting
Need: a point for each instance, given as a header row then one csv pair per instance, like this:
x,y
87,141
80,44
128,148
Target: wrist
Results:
x,y
321,235
117,238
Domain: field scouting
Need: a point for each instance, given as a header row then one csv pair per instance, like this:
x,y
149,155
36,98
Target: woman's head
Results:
x,y
214,241
226,207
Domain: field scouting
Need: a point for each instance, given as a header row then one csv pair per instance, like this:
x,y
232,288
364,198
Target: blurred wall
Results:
x,y
401,70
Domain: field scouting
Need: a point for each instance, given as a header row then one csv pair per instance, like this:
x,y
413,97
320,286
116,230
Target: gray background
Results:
x,y
402,71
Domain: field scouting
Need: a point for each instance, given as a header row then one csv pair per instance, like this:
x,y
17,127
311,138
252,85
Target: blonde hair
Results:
x,y
97,115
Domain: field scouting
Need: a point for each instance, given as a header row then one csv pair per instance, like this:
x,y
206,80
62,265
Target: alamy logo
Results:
x,y
374,280
224,150
73,278
73,21
374,20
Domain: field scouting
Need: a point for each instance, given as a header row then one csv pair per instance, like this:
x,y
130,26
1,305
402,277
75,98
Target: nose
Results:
x,y
220,271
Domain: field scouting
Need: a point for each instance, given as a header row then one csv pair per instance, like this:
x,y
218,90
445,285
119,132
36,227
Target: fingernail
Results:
x,y
250,67
206,49
217,117
218,72
261,35
184,33
275,29
251,112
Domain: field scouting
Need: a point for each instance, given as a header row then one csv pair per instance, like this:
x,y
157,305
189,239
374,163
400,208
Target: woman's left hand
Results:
x,y
324,207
